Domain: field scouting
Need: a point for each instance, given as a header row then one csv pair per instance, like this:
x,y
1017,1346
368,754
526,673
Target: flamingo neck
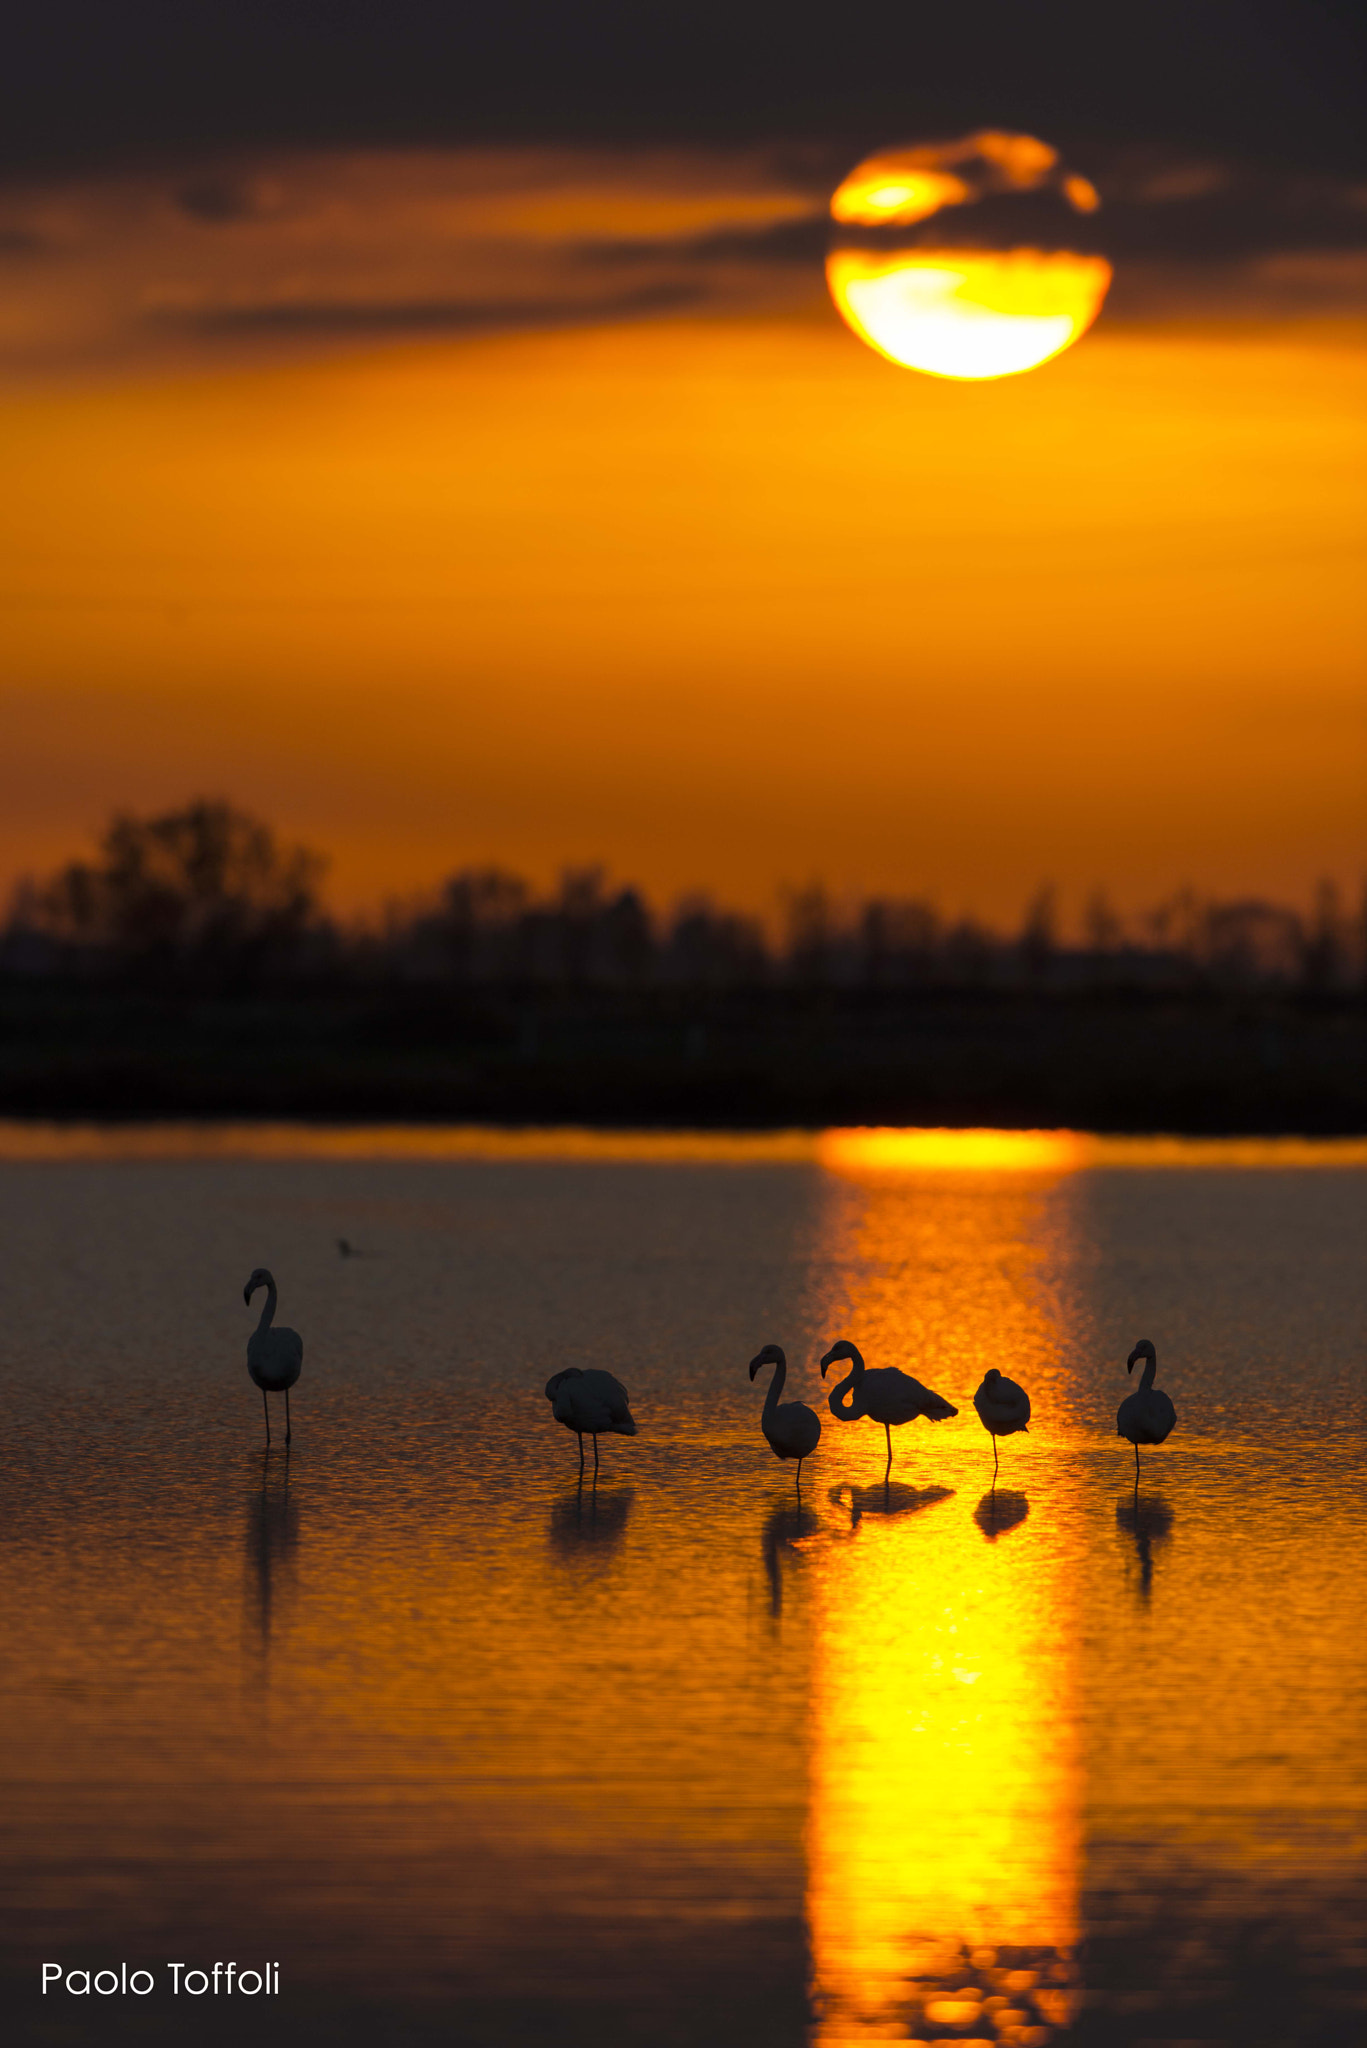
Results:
x,y
268,1312
1150,1372
849,1385
775,1388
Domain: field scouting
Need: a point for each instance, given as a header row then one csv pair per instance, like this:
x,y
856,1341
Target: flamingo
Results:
x,y
888,1395
1146,1416
792,1429
275,1358
589,1403
1003,1408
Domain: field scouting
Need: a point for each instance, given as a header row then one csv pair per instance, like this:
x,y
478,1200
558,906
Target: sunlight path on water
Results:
x,y
944,1818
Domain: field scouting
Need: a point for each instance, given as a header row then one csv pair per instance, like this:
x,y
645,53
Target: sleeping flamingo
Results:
x,y
1003,1408
275,1358
792,1429
590,1403
888,1395
1146,1416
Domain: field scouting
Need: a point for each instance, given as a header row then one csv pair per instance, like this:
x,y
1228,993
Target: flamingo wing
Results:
x,y
895,1397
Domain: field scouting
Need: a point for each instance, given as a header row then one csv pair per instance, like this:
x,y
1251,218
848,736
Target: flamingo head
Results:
x,y
1143,1349
991,1376
772,1354
260,1278
838,1351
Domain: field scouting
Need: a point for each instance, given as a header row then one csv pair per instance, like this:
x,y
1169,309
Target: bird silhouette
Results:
x,y
1003,1408
791,1428
1146,1416
590,1403
275,1358
889,1396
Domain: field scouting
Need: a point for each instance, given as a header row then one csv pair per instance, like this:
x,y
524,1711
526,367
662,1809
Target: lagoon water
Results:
x,y
481,1757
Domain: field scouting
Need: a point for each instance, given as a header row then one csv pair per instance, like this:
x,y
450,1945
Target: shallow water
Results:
x,y
477,1756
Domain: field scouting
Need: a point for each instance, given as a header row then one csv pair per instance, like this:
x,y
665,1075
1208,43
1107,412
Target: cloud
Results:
x,y
424,316
279,252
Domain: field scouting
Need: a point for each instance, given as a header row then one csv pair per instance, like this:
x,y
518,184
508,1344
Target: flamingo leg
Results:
x,y
994,1461
267,1406
799,1478
888,1467
580,1434
1136,1465
595,1454
287,1417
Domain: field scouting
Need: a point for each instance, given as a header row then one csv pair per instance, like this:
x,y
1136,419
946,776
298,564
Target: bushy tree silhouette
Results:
x,y
207,887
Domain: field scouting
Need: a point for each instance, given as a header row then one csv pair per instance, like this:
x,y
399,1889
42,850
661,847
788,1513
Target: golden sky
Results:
x,y
531,508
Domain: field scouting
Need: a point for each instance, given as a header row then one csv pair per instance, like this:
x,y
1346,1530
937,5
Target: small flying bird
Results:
x,y
1003,1408
1146,1416
591,1404
791,1428
889,1396
275,1358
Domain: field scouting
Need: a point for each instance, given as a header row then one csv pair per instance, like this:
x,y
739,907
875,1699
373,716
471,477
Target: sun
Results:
x,y
960,259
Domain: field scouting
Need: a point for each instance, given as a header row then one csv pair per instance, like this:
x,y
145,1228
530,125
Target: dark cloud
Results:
x,y
287,251
1274,80
223,198
324,317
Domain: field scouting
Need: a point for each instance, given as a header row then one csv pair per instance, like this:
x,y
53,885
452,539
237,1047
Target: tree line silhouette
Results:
x,y
209,896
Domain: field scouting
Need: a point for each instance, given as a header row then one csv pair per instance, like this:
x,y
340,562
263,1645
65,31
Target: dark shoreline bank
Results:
x,y
1199,1064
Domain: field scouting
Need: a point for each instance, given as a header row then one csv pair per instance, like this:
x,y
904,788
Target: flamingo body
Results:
x,y
592,1403
275,1356
1003,1408
887,1395
791,1428
1146,1416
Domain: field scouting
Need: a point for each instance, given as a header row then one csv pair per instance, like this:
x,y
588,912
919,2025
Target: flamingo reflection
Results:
x,y
998,1512
781,1525
1148,1521
888,1498
590,1518
272,1534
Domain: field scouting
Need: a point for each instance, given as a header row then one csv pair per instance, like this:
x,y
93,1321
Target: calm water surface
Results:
x,y
479,1756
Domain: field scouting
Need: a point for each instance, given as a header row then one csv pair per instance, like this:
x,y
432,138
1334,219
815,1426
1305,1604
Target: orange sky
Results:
x,y
715,596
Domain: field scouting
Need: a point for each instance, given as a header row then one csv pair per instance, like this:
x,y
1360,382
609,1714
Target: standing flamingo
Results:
x,y
589,1403
792,1429
275,1358
1146,1416
888,1395
1003,1408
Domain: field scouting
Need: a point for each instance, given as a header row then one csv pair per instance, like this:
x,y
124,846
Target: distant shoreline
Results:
x,y
1256,1064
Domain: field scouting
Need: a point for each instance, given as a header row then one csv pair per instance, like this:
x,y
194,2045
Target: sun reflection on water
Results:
x,y
943,1840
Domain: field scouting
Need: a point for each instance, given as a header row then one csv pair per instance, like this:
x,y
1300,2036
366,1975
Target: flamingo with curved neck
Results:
x,y
1146,1416
889,1396
275,1357
791,1428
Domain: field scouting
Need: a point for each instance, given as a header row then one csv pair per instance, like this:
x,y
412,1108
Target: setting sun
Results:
x,y
965,314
